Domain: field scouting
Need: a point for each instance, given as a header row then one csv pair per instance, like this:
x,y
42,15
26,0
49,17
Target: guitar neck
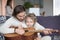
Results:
x,y
44,30
36,30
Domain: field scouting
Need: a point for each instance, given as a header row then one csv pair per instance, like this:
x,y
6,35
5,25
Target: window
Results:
x,y
40,2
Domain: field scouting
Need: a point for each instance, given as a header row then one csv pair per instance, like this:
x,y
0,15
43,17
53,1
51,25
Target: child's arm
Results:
x,y
37,38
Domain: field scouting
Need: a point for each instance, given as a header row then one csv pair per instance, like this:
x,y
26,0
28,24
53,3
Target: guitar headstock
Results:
x,y
56,30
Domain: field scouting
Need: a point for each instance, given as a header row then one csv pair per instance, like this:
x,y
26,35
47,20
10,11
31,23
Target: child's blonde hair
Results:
x,y
32,16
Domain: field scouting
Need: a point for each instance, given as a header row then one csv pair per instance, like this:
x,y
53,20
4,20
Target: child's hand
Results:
x,y
20,27
20,31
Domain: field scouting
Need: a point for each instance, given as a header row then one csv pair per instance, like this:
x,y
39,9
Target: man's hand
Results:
x,y
47,31
20,31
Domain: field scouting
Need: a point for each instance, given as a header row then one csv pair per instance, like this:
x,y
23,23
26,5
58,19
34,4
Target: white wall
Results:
x,y
56,8
19,2
47,6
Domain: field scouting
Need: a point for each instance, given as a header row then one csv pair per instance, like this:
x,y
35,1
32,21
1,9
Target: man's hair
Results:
x,y
32,16
18,9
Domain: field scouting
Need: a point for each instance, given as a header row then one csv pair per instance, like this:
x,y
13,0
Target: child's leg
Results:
x,y
46,38
38,38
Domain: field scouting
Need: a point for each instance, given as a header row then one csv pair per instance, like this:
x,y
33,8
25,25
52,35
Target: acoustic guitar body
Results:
x,y
27,36
29,31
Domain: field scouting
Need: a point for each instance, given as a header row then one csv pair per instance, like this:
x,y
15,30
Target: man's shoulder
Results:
x,y
11,19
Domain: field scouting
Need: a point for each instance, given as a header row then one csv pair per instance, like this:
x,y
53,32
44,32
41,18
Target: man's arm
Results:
x,y
5,30
5,27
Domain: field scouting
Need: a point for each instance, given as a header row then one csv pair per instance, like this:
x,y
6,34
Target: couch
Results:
x,y
50,22
46,21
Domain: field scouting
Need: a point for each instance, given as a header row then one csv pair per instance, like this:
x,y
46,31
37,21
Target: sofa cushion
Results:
x,y
50,22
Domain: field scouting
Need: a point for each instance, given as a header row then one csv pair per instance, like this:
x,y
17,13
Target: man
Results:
x,y
18,21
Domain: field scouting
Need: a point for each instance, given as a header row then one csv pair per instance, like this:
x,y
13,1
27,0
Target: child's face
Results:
x,y
29,22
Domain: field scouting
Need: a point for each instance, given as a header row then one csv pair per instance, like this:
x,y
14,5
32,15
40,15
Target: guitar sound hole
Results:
x,y
26,30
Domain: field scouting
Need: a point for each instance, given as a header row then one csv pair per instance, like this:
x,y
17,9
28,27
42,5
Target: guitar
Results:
x,y
28,31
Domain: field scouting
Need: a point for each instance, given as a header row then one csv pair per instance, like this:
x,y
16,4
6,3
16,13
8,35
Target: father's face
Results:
x,y
21,16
